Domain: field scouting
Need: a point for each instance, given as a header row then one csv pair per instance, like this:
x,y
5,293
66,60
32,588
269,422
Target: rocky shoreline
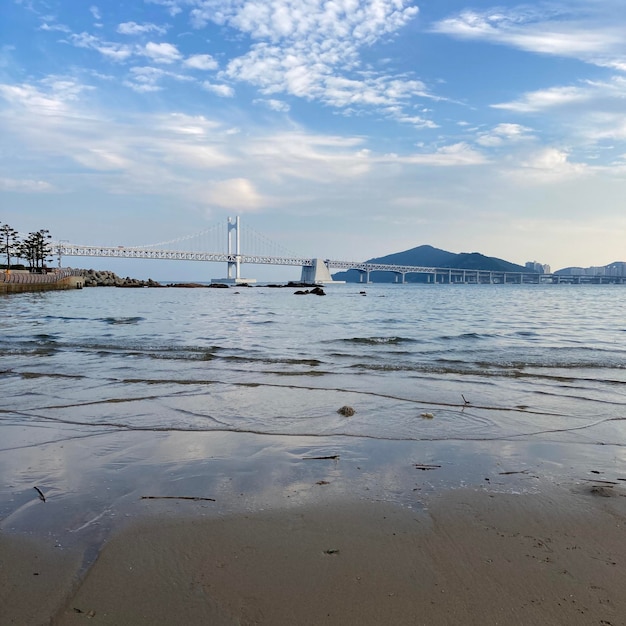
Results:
x,y
105,278
78,278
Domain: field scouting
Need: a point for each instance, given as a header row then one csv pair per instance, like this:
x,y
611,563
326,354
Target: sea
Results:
x,y
120,403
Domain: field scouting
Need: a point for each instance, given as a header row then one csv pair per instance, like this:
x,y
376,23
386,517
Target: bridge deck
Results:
x,y
452,274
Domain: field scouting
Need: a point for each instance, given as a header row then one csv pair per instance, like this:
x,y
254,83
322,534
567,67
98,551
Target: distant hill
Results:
x,y
427,256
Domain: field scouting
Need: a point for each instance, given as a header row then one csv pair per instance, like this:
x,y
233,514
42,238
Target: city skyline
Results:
x,y
348,129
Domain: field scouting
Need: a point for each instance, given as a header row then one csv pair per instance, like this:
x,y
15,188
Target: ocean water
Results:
x,y
113,395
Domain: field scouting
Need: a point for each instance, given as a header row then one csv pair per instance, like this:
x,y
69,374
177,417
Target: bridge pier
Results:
x,y
318,272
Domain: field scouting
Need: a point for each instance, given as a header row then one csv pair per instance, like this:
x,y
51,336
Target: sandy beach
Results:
x,y
161,466
469,557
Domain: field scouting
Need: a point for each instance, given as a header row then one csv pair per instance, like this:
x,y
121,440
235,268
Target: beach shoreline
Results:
x,y
174,456
472,556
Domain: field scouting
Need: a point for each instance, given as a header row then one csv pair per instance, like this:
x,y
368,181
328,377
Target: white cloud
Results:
x,y
25,185
162,52
513,131
296,73
546,166
201,62
503,134
53,26
308,49
147,153
238,194
364,21
303,156
95,12
604,126
546,98
274,105
31,98
224,91
50,97
458,154
173,6
397,113
311,49
132,28
200,156
591,112
113,51
102,159
187,125
146,78
590,32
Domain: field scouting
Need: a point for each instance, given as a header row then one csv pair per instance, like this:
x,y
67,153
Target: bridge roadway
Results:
x,y
64,249
438,274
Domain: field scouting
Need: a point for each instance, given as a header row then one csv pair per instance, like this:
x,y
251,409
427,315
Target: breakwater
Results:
x,y
20,281
105,278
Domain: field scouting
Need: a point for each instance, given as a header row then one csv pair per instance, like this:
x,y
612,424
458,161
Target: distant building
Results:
x,y
540,268
616,269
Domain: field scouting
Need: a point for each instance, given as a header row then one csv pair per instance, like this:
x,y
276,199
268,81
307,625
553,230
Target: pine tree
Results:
x,y
9,243
36,249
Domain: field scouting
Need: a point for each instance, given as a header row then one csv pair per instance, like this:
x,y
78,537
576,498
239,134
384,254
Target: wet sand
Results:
x,y
469,557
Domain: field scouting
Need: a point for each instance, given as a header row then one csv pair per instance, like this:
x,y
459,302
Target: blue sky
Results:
x,y
343,129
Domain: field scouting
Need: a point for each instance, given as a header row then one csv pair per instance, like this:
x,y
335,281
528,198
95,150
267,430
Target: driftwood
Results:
x,y
177,498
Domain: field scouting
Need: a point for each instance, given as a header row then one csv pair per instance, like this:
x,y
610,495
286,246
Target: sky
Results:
x,y
342,129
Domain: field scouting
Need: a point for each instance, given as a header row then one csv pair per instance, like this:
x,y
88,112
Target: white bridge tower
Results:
x,y
233,273
234,267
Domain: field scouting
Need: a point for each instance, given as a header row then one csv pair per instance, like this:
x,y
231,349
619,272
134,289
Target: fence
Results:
x,y
21,277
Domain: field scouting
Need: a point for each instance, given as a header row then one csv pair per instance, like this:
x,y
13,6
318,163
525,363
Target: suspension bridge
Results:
x,y
223,244
313,270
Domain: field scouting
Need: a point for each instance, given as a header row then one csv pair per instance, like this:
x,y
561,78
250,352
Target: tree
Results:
x,y
36,249
9,243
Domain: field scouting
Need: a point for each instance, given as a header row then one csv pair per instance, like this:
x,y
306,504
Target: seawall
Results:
x,y
20,281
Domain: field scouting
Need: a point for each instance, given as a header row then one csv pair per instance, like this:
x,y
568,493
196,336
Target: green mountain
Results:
x,y
427,256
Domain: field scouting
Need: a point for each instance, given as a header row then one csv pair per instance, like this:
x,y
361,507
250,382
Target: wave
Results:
x,y
121,320
465,336
66,318
374,341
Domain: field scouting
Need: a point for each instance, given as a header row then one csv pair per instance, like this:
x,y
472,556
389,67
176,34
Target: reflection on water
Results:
x,y
110,395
